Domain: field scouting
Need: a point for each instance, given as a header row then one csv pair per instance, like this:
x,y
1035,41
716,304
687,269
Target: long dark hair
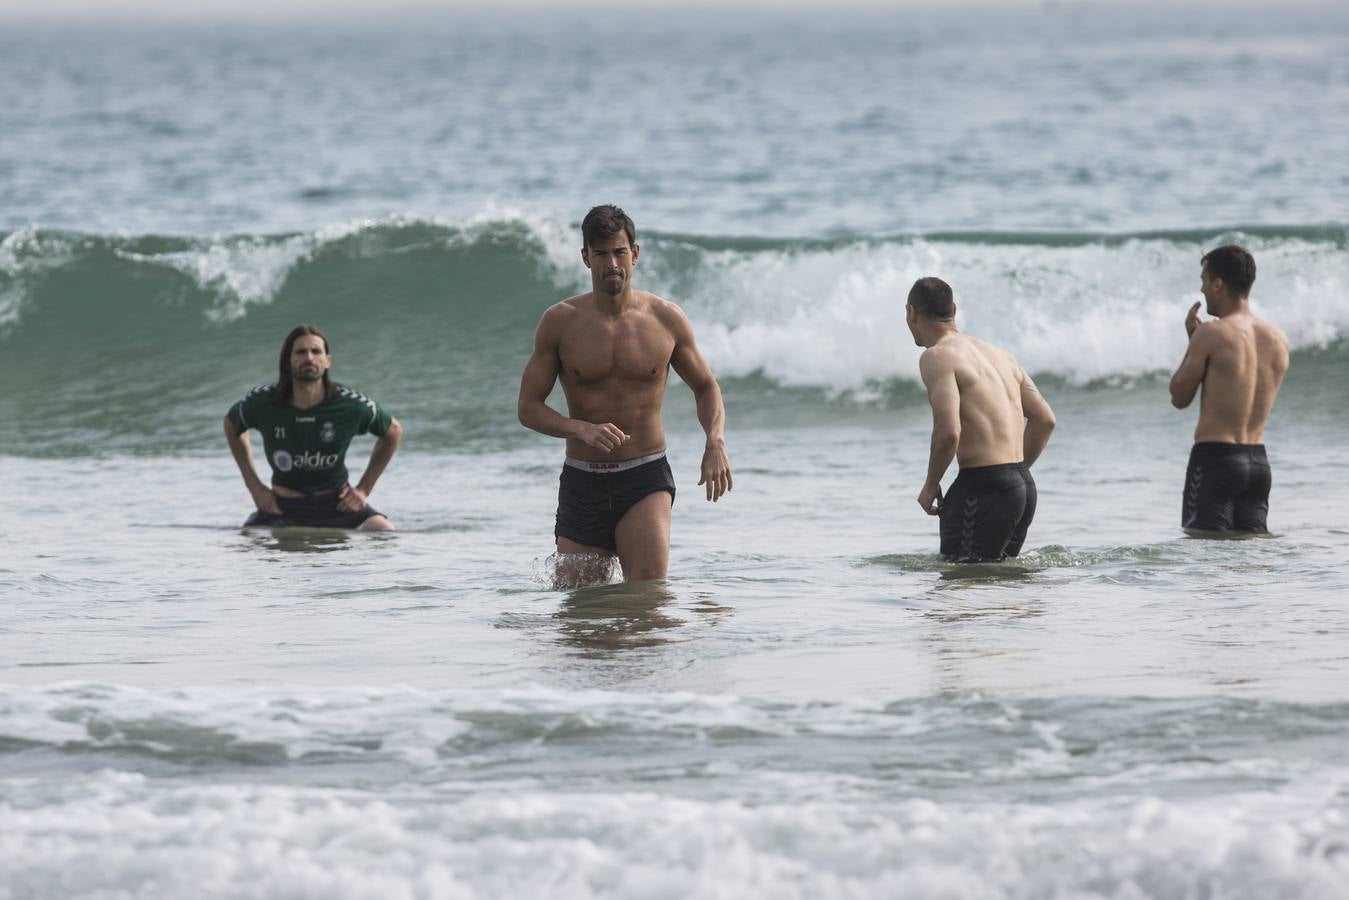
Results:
x,y
285,389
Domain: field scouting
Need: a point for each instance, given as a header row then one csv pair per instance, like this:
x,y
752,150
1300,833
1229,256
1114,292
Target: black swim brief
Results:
x,y
986,513
593,497
1226,488
312,511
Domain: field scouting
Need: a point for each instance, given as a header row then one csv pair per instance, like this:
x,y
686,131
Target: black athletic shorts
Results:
x,y
312,511
590,504
1226,488
986,513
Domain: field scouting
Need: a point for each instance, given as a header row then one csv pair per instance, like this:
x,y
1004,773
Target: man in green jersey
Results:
x,y
307,421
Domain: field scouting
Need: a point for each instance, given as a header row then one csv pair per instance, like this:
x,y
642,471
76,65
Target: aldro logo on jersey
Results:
x,y
309,460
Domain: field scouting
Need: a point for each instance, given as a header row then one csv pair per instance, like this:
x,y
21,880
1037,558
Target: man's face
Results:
x,y
308,358
610,261
1209,287
911,319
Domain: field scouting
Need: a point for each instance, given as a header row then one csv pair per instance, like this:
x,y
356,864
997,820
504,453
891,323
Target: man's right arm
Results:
x,y
1190,375
263,498
943,394
537,383
1039,420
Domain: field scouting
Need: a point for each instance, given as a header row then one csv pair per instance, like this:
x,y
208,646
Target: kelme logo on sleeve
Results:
x,y
311,459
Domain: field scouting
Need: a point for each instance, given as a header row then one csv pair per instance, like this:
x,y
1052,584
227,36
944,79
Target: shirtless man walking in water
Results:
x,y
987,414
1240,360
613,347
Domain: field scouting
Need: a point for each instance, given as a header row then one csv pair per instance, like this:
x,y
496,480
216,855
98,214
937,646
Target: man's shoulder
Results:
x,y
348,396
263,392
666,312
1268,329
573,305
937,359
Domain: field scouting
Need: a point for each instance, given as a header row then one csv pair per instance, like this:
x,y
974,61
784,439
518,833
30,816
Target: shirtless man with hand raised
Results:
x,y
1240,360
987,414
612,348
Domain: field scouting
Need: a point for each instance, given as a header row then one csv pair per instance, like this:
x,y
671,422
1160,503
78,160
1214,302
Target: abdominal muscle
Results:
x,y
639,418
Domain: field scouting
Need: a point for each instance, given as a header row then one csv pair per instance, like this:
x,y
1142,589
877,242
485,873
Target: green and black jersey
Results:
x,y
307,448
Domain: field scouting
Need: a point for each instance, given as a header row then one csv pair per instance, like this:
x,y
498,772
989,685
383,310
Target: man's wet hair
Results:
x,y
1234,265
285,383
603,222
933,298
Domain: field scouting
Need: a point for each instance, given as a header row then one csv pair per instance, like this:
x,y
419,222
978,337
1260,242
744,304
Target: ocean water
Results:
x,y
813,705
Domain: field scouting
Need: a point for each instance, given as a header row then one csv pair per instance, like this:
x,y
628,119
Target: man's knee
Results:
x,y
377,523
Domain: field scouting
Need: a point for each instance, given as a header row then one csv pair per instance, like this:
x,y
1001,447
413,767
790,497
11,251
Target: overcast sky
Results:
x,y
273,9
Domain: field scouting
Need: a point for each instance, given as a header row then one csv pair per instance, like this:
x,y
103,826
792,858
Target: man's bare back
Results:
x,y
988,415
1243,362
990,384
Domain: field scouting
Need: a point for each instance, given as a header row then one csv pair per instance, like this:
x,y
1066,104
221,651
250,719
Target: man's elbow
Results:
x,y
395,433
1179,398
947,437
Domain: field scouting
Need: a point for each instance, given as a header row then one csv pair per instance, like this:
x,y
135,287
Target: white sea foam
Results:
x,y
24,253
115,834
834,318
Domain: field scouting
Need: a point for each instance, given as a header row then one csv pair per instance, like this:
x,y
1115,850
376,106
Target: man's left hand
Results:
x,y
930,499
1192,320
351,499
716,471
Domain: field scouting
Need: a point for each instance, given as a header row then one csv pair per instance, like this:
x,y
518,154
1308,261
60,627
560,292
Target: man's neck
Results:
x,y
937,331
1236,307
306,394
614,305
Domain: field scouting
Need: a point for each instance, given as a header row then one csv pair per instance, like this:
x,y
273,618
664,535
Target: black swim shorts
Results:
x,y
312,511
593,497
1226,488
986,513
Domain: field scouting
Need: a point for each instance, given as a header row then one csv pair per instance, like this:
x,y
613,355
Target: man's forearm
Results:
x,y
544,419
379,461
943,450
243,456
712,413
1033,443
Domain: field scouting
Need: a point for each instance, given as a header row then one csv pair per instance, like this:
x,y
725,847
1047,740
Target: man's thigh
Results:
x,y
643,537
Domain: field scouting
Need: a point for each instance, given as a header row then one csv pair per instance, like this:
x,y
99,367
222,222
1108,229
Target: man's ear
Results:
x,y
585,256
636,252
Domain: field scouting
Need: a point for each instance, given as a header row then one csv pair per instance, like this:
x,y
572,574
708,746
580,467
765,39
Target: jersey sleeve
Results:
x,y
245,413
373,419
378,420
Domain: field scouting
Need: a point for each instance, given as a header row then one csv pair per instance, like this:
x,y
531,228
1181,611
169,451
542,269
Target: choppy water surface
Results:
x,y
814,705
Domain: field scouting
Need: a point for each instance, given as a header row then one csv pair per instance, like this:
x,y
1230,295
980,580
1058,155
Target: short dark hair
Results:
x,y
285,385
603,222
933,298
1234,265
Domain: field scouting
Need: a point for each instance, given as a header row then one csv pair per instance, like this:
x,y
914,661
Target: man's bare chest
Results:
x,y
615,352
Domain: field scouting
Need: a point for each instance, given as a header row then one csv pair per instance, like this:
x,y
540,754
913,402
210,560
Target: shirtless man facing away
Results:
x,y
988,414
1240,360
612,347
